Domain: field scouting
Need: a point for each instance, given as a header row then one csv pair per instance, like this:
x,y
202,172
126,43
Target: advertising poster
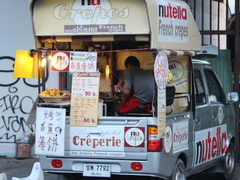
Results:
x,y
179,67
60,61
50,131
84,99
210,144
89,139
172,22
83,61
161,112
180,136
161,69
161,77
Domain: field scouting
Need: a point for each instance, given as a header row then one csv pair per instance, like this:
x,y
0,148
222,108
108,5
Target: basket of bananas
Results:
x,y
55,96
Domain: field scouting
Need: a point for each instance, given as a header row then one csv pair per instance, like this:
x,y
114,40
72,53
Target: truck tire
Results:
x,y
179,172
229,163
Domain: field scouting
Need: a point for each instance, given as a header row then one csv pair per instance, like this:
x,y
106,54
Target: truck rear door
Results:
x,y
113,138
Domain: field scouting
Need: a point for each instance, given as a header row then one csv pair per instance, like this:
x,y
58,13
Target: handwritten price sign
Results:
x,y
84,102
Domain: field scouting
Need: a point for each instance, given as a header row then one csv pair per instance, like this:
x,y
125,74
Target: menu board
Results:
x,y
50,131
83,61
84,99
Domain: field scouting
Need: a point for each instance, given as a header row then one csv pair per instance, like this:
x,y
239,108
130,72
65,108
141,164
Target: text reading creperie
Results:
x,y
93,143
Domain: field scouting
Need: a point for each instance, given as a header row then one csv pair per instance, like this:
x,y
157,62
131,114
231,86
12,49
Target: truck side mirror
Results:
x,y
212,99
232,97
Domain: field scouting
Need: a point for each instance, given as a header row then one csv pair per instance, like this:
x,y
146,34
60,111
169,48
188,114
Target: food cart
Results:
x,y
86,43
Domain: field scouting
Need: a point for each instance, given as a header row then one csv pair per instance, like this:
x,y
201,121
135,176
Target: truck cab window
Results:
x,y
200,91
214,87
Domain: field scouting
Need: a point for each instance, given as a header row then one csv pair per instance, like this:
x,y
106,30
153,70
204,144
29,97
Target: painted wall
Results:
x,y
17,95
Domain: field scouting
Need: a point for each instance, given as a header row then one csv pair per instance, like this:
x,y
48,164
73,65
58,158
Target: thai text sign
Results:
x,y
84,99
50,131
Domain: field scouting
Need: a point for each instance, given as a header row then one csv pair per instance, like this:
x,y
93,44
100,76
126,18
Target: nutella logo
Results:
x,y
172,21
90,2
174,12
212,146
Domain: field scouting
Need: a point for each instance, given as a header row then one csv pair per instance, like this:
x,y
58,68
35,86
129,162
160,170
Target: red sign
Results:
x,y
60,61
134,136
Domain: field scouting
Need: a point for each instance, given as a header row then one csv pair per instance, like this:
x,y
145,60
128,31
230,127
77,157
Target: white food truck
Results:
x,y
190,127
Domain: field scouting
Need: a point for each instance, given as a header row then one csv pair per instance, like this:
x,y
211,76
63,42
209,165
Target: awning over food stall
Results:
x,y
167,24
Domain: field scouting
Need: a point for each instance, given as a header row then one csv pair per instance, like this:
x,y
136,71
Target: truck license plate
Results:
x,y
97,170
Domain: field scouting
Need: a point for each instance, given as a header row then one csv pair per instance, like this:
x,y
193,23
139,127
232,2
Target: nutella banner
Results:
x,y
88,17
172,22
210,144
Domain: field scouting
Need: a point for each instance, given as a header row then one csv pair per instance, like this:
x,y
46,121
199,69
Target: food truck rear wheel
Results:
x,y
229,164
179,172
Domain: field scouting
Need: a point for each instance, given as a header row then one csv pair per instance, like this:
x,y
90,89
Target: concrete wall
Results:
x,y
16,95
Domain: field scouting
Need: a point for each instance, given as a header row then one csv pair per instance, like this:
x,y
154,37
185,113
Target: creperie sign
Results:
x,y
96,138
89,12
93,143
210,144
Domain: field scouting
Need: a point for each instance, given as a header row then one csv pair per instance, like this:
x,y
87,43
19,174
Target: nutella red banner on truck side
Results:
x,y
210,144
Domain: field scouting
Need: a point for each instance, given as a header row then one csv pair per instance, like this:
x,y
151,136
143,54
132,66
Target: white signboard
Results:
x,y
210,144
161,112
180,136
134,136
96,138
50,131
172,22
84,99
83,61
161,69
168,139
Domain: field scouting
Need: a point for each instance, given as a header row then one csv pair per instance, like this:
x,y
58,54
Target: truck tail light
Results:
x,y
136,166
56,163
154,143
152,130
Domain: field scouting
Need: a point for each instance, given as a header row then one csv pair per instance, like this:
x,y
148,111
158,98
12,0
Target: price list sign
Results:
x,y
84,99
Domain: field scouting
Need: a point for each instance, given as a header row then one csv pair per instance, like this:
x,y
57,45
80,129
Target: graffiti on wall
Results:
x,y
17,97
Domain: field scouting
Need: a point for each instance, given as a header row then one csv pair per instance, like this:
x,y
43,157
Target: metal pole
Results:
x,y
236,73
